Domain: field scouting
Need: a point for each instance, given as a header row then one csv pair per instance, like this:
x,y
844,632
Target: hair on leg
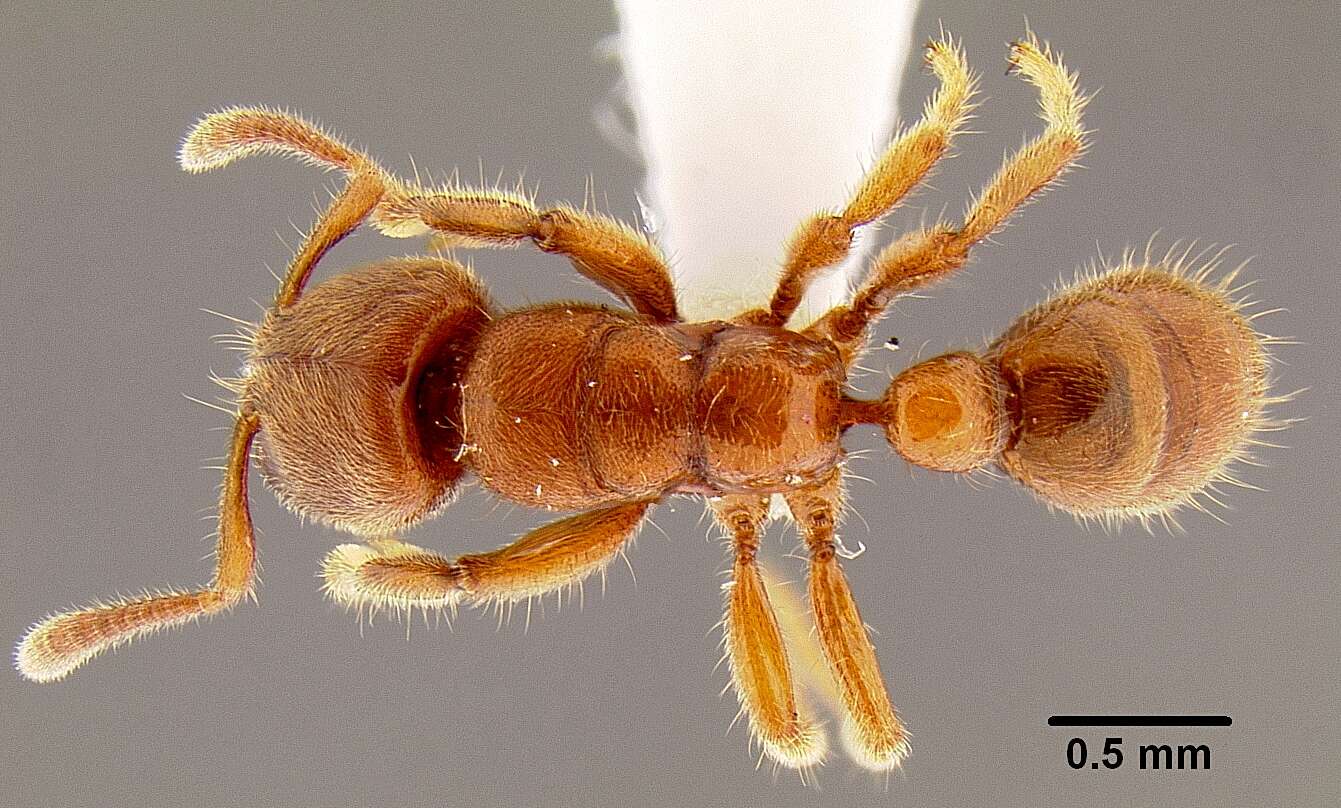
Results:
x,y
924,257
825,238
875,735
760,668
606,251
392,573
612,254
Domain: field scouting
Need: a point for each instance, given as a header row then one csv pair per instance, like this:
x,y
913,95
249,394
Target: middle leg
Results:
x,y
826,238
927,256
759,666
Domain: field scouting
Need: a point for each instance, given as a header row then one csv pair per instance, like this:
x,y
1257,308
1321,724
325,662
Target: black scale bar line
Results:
x,y
1139,721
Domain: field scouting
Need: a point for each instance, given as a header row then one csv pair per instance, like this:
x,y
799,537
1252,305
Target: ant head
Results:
x,y
947,413
358,387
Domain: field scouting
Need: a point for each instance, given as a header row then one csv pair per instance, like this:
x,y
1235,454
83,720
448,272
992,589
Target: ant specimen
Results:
x,y
371,395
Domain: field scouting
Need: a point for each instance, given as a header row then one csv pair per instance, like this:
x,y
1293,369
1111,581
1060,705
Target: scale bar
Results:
x,y
1139,721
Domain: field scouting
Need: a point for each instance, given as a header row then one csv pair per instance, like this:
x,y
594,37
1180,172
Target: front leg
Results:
x,y
606,251
877,736
388,572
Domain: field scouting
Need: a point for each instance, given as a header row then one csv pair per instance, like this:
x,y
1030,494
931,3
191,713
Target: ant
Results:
x,y
367,398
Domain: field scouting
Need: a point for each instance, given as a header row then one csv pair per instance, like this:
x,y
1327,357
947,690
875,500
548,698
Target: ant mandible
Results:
x,y
371,395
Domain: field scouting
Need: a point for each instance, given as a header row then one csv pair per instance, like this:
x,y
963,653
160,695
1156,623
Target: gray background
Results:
x,y
1215,123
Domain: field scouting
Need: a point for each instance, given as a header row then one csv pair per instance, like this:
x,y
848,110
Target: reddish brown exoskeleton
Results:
x,y
370,396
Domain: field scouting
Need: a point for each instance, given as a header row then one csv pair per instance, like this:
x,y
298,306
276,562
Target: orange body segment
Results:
x,y
573,406
337,379
1131,392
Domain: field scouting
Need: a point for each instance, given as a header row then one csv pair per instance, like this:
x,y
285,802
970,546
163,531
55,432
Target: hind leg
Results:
x,y
389,572
927,256
877,736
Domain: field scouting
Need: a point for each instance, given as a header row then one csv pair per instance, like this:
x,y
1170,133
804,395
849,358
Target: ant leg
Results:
x,y
878,737
604,250
921,258
601,248
759,665
825,238
225,136
388,572
58,645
